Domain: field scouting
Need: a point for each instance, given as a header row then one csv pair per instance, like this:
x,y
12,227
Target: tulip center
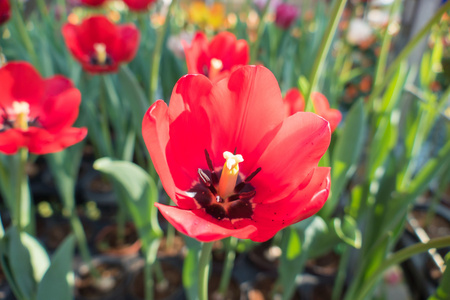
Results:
x,y
215,67
100,56
224,194
22,110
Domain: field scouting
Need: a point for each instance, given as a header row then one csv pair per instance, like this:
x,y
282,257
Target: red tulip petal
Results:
x,y
126,44
293,102
246,111
202,226
62,107
11,140
291,156
74,42
20,82
41,141
197,54
155,129
322,108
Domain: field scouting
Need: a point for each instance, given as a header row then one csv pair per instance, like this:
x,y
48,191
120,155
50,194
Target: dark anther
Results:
x,y
247,195
211,168
233,197
204,178
235,149
93,60
239,187
108,61
250,177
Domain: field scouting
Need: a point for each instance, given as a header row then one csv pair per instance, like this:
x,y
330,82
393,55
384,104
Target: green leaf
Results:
x,y
190,274
348,231
294,248
139,188
346,154
443,291
28,261
57,282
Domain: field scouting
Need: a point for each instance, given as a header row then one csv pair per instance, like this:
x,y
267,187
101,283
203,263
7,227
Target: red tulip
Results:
x,y
5,11
286,14
37,113
93,2
273,179
294,102
139,5
99,45
216,59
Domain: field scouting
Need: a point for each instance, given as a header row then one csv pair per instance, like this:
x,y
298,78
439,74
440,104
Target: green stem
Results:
x,y
342,272
154,71
325,45
42,8
104,124
259,33
228,266
398,258
405,52
150,251
80,235
20,187
203,271
23,33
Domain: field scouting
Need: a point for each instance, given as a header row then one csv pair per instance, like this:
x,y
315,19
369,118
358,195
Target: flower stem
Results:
x,y
228,266
20,186
203,271
325,45
154,70
405,52
259,32
398,258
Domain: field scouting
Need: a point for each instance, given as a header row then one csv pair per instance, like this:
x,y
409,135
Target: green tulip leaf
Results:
x,y
57,282
348,231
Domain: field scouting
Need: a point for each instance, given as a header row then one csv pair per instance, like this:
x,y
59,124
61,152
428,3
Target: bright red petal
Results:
x,y
5,11
11,140
197,54
40,141
293,102
224,46
202,226
126,44
138,5
291,156
62,105
20,82
155,129
322,108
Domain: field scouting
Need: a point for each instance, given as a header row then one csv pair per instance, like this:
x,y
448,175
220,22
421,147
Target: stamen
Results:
x,y
215,67
211,168
230,174
100,53
250,177
21,110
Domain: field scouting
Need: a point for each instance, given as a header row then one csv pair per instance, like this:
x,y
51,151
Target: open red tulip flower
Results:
x,y
294,102
139,5
100,45
93,2
230,159
5,11
217,58
37,113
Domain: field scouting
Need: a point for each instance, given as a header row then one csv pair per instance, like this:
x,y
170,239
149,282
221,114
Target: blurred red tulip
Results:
x,y
217,58
139,5
5,11
100,45
37,113
93,2
230,159
294,102
286,15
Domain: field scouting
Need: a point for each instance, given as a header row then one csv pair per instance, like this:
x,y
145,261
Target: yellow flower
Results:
x,y
207,16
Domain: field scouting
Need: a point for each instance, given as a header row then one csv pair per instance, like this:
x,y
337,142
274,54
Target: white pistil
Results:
x,y
229,175
100,52
215,67
21,109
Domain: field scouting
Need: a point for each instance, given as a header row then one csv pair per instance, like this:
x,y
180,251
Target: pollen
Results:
x,y
230,174
100,52
21,109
